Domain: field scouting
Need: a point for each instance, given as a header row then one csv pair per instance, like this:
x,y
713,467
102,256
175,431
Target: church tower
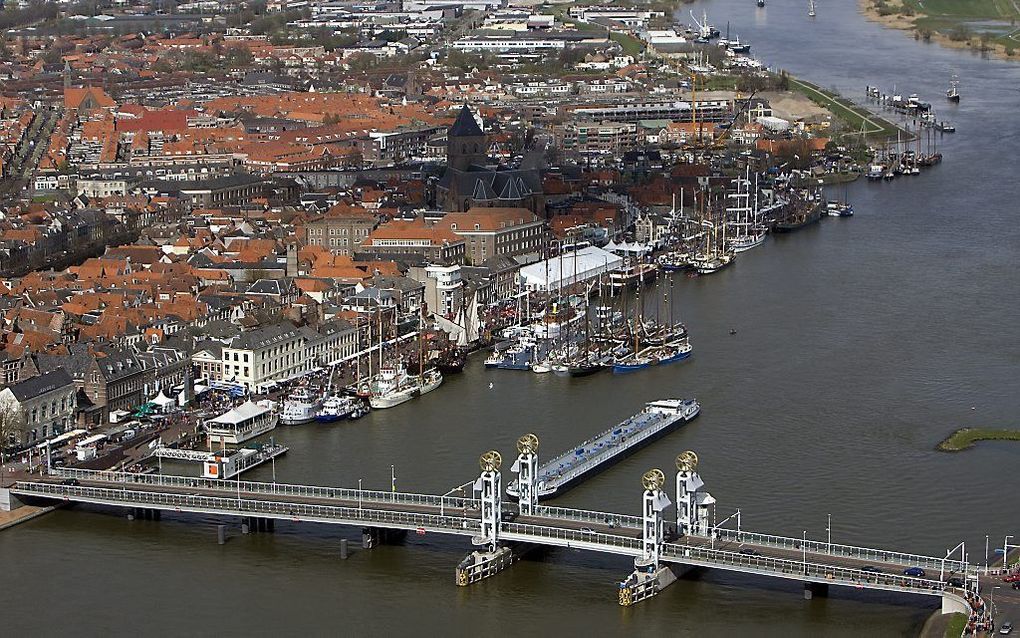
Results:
x,y
465,142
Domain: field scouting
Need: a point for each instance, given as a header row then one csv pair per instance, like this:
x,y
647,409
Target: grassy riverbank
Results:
x,y
965,438
854,117
989,26
956,625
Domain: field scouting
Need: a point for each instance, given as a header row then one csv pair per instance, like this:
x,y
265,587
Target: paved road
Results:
x,y
469,512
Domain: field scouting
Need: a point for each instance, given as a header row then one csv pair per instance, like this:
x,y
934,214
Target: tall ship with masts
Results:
x,y
395,384
714,253
802,211
747,232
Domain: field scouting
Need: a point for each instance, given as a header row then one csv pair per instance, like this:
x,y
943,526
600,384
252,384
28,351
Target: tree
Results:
x,y
12,424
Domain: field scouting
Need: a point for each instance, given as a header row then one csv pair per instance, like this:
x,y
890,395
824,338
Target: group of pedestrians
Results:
x,y
980,621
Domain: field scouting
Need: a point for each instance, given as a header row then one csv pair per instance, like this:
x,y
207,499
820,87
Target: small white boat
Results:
x,y
541,368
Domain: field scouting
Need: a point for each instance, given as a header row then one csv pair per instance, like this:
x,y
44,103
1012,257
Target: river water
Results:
x,y
860,343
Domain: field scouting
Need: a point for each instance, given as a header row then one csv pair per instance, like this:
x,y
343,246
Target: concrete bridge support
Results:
x,y
375,536
483,563
815,589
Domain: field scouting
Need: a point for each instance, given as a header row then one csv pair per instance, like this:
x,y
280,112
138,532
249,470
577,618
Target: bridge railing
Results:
x,y
608,541
801,570
878,556
588,516
247,506
276,489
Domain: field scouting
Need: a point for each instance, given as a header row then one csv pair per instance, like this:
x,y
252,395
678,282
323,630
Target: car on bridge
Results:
x,y
871,568
1006,627
917,572
1016,585
955,581
1012,578
747,551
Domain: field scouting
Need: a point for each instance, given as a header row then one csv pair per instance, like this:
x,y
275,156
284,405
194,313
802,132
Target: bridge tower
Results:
x,y
654,501
492,558
648,577
526,467
489,488
692,502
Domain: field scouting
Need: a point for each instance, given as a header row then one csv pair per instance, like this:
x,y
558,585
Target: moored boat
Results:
x,y
654,421
300,407
394,386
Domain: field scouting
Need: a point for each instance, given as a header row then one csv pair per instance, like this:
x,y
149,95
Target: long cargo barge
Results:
x,y
569,468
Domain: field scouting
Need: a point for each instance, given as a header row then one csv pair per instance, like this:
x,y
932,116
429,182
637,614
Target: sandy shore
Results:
x,y
906,23
22,514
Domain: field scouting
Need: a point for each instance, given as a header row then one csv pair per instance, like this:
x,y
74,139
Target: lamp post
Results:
x,y
986,553
393,479
803,547
828,532
1005,552
359,497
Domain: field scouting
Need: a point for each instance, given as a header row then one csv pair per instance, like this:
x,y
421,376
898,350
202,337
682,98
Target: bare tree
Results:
x,y
12,424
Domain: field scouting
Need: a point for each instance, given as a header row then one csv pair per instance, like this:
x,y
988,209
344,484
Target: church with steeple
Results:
x,y
471,181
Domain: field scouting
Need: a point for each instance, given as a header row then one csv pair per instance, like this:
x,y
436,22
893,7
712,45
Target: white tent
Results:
x,y
163,402
576,266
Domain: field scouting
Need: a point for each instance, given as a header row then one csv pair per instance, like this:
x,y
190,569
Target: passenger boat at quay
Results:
x,y
240,424
300,407
655,420
336,408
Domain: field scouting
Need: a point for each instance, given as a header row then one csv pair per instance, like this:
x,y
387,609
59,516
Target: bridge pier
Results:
x,y
815,589
483,563
375,536
644,582
221,534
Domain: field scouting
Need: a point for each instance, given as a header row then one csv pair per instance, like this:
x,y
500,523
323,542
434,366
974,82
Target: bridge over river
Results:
x,y
501,530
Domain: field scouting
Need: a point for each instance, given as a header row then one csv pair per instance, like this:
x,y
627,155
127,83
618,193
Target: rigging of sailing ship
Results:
x,y
742,218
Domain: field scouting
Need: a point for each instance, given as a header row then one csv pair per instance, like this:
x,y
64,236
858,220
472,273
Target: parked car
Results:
x,y
916,572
